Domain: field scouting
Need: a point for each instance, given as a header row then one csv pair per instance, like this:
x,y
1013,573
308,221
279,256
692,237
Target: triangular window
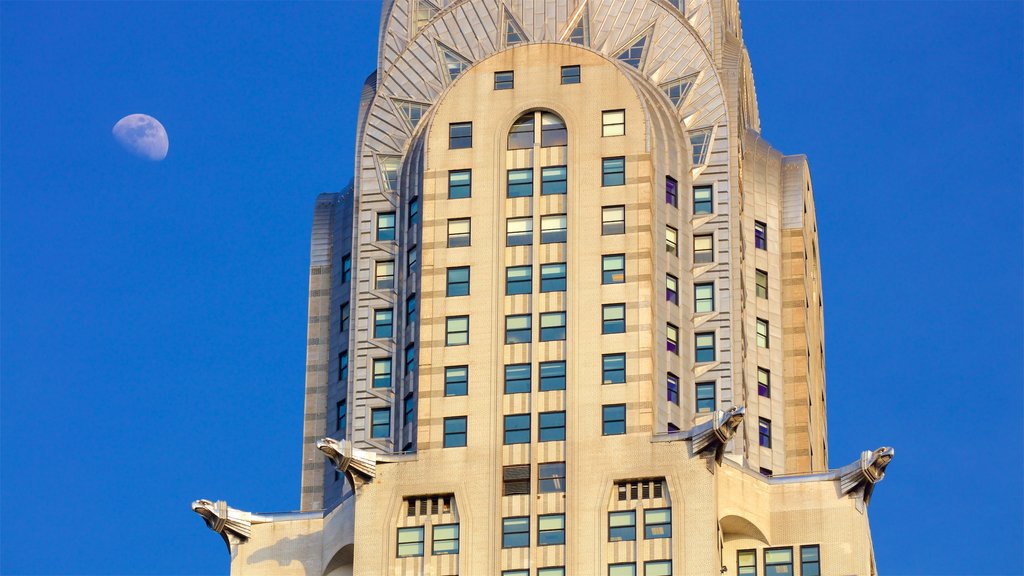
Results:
x,y
513,31
453,62
423,13
389,171
634,55
580,31
678,90
700,141
412,111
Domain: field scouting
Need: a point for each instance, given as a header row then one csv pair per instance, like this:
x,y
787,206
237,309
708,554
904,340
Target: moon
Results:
x,y
142,135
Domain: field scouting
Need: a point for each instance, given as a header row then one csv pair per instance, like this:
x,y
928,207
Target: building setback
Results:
x,y
568,317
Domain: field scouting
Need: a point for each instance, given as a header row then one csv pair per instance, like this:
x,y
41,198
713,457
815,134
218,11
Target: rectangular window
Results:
x,y
384,275
460,184
382,323
810,561
456,380
380,420
613,269
550,529
455,432
613,171
762,333
446,539
622,526
552,375
458,281
520,183
458,232
342,413
456,331
552,326
551,477
760,235
414,210
515,532
702,200
570,74
410,542
504,80
551,426
764,432
761,281
703,298
515,480
704,347
705,397
672,338
703,249
410,408
778,562
517,429
672,388
412,261
517,378
613,220
519,231
613,419
410,309
746,562
410,358
671,241
515,573
613,369
671,191
344,317
346,268
623,569
518,280
613,123
460,135
518,329
764,383
657,523
552,228
551,571
658,568
613,319
672,289
552,277
382,372
553,180
386,226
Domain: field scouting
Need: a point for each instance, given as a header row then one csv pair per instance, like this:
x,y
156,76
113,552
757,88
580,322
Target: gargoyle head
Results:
x,y
878,461
732,419
208,510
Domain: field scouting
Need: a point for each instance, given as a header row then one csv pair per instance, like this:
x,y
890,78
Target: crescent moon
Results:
x,y
142,135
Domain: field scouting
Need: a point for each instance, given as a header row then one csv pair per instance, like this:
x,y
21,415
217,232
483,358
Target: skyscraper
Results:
x,y
568,317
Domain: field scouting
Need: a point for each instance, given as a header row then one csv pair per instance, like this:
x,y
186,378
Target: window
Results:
x,y
380,419
672,388
446,539
410,309
613,269
346,268
671,191
613,123
552,277
520,183
410,542
504,80
520,137
570,74
613,220
458,232
657,523
552,228
382,372
672,289
625,569
342,413
764,432
414,210
384,275
672,338
613,171
386,226
702,200
551,477
761,282
410,358
551,571
460,184
382,323
412,260
515,532
613,368
764,383
746,562
551,426
613,419
456,331
704,347
552,180
613,318
765,471
705,397
760,235
622,526
762,333
703,249
518,280
704,298
410,408
778,561
344,317
458,281
552,130
700,143
519,231
518,329
515,573
810,561
515,480
517,378
658,568
460,135
550,529
671,241
552,375
455,432
552,326
456,380
517,429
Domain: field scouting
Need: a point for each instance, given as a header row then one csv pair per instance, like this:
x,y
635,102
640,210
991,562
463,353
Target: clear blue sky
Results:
x,y
154,314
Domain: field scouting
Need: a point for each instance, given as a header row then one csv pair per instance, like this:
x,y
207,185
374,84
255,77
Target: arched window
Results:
x,y
552,130
523,135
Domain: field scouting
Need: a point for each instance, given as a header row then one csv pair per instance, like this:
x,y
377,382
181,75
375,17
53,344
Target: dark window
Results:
x,y
672,385
520,183
672,289
613,368
613,318
410,542
518,280
410,358
458,281
760,235
810,561
551,426
552,228
515,480
346,268
460,184
458,232
778,562
622,526
705,397
414,210
746,562
761,282
380,423
410,408
703,298
518,329
657,523
460,135
517,429
382,323
553,180
455,432
515,532
613,171
552,130
382,372
456,380
704,347
410,309
613,123
344,317
552,326
504,80
411,261
764,383
552,375
550,529
517,378
671,191
552,277
613,220
551,477
765,471
702,200
446,539
703,249
342,412
570,74
386,226
456,331
519,231
520,137
672,338
764,432
613,419
613,269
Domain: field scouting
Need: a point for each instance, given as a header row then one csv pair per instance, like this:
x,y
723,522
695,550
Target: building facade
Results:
x,y
568,317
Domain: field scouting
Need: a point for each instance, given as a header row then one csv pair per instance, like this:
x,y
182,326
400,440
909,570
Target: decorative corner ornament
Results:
x,y
862,475
359,465
715,434
233,525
